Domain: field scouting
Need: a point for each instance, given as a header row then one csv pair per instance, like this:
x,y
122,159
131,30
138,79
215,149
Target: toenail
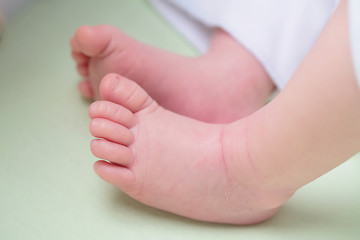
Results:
x,y
113,81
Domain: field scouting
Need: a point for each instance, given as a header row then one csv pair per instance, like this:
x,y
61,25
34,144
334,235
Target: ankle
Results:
x,y
241,168
232,57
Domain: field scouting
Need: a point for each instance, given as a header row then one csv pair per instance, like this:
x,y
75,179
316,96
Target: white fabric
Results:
x,y
278,32
354,16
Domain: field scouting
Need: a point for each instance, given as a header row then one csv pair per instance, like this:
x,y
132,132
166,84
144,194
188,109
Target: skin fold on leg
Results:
x,y
313,124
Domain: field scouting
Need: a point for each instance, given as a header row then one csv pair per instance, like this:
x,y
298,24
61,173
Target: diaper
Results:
x,y
279,33
354,17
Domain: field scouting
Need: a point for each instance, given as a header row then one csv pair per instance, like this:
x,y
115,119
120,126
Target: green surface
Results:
x,y
47,186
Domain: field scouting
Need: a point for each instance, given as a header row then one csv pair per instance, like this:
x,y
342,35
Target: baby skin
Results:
x,y
239,173
143,143
221,86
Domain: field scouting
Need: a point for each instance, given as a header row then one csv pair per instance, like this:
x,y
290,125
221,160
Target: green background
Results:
x,y
48,189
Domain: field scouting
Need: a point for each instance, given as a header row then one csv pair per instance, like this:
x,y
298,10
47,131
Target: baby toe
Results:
x,y
127,93
93,41
119,176
112,112
79,57
86,89
83,69
112,152
114,132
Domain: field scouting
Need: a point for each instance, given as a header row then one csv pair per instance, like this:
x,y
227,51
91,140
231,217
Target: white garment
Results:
x,y
278,32
354,17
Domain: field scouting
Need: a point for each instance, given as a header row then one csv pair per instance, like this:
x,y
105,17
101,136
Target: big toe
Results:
x,y
120,90
93,40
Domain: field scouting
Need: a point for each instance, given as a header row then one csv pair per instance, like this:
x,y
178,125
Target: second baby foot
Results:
x,y
172,162
224,85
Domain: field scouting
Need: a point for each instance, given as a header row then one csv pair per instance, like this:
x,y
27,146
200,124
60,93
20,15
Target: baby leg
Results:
x,y
223,85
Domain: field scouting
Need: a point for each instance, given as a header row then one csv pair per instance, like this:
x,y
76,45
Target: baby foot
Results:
x,y
172,162
222,86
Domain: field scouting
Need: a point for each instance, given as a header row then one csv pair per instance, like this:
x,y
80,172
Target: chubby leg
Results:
x,y
313,124
172,162
221,86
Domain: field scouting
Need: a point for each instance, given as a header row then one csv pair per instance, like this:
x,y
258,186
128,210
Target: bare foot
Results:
x,y
222,86
175,163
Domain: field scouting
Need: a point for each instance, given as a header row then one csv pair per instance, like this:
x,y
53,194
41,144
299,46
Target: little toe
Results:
x,y
112,112
94,41
114,132
83,69
79,57
112,152
118,89
86,89
119,176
